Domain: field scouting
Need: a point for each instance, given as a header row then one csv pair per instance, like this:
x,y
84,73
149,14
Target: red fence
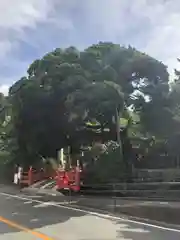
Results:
x,y
70,179
32,176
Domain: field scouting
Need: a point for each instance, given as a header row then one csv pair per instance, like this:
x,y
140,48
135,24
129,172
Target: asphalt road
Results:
x,y
31,217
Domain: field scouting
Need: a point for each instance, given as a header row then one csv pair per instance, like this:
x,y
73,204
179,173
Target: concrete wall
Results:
x,y
165,175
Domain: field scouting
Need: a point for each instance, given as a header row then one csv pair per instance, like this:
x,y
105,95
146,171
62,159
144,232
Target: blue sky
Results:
x,y
30,28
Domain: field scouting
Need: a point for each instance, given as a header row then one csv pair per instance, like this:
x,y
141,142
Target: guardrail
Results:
x,y
134,185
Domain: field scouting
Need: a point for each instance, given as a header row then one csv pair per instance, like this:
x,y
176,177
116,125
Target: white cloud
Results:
x,y
156,23
16,16
150,25
164,37
18,13
4,89
5,47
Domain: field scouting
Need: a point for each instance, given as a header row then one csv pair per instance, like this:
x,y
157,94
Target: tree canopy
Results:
x,y
66,88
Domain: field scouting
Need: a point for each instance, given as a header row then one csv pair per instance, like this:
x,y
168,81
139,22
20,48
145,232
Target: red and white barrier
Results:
x,y
31,176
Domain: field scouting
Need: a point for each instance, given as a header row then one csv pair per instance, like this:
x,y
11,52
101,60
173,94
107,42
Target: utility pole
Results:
x,y
118,133
119,140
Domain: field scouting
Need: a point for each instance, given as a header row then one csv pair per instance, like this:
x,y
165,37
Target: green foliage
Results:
x,y
68,87
107,168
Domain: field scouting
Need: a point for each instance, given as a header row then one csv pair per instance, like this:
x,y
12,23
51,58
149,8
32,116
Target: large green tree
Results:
x,y
67,87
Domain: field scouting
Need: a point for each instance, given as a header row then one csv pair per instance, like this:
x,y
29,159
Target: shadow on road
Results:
x,y
32,215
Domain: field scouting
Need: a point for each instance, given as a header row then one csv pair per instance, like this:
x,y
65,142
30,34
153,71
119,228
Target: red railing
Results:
x,y
33,175
69,179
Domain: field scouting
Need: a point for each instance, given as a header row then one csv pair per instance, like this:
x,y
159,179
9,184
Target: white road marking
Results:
x,y
135,230
47,184
34,196
40,205
107,216
34,220
39,183
28,202
14,213
164,203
